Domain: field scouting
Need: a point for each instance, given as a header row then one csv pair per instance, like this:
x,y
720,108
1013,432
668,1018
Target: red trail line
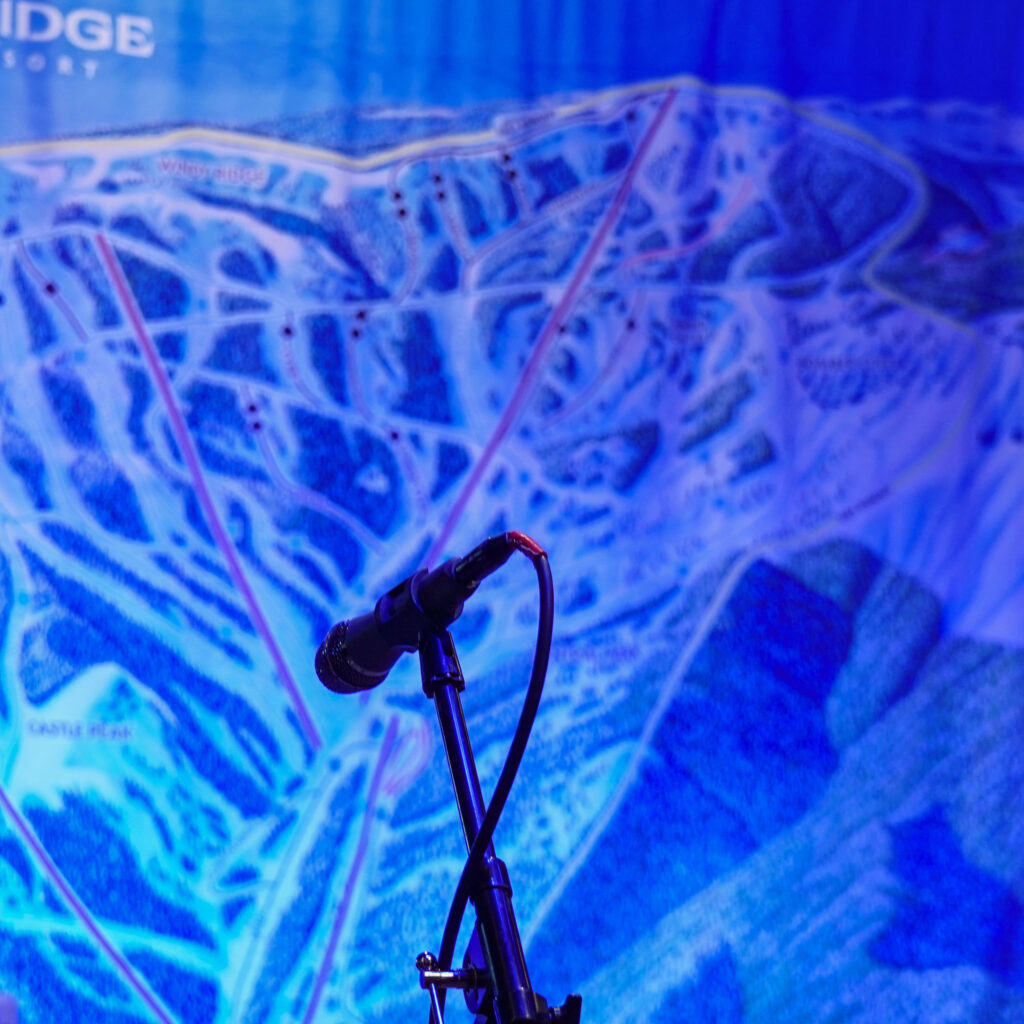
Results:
x,y
530,220
303,495
327,964
55,296
714,230
82,912
680,250
581,400
547,336
292,368
410,764
188,451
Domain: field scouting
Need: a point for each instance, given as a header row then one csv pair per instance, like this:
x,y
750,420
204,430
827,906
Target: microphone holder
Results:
x,y
494,977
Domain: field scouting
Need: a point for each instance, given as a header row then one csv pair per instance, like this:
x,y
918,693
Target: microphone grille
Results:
x,y
336,668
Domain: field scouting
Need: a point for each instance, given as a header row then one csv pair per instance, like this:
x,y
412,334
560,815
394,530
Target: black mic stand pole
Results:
x,y
499,989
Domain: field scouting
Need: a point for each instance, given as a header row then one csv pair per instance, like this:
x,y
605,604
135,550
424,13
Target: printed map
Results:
x,y
750,373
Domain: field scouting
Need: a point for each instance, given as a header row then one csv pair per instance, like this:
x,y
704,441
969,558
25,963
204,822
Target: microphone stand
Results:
x,y
497,989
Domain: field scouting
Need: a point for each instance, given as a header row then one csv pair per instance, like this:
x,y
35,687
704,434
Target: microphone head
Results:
x,y
354,657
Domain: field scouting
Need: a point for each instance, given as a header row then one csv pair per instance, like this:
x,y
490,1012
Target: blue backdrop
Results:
x,y
723,305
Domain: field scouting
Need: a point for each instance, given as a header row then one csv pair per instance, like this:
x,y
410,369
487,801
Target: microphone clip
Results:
x,y
358,654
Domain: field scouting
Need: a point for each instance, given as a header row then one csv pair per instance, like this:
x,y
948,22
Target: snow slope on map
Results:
x,y
749,372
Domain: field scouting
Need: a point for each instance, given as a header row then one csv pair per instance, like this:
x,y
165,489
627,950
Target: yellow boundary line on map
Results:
x,y
222,136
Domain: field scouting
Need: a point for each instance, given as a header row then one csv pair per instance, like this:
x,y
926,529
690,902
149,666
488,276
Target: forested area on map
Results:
x,y
750,373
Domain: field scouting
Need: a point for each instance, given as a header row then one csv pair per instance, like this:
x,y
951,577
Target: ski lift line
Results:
x,y
53,295
79,909
340,917
549,333
191,457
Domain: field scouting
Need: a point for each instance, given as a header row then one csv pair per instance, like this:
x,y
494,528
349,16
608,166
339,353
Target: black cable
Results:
x,y
545,630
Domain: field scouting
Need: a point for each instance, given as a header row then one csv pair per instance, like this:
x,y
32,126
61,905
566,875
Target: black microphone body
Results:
x,y
357,654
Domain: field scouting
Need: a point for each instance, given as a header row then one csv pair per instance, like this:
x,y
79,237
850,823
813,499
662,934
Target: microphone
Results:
x,y
357,654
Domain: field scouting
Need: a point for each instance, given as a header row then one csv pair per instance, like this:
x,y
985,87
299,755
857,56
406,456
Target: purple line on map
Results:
x,y
191,457
357,864
547,336
81,911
